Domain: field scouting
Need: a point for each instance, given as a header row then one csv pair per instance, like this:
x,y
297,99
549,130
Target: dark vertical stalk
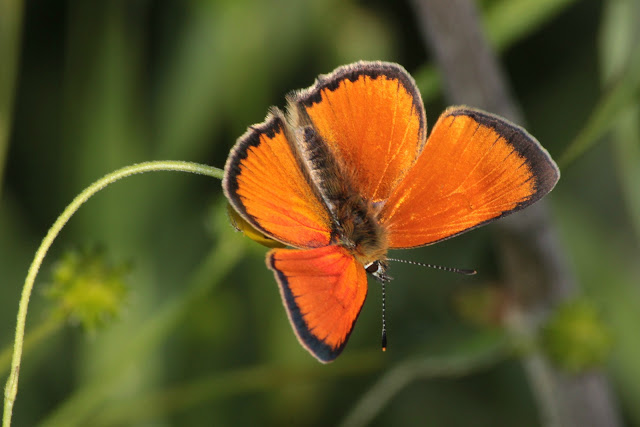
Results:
x,y
11,12
533,265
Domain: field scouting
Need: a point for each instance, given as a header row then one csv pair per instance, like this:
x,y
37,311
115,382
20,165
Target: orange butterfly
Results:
x,y
348,174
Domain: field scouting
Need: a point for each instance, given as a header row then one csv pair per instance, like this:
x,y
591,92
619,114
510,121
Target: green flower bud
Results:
x,y
87,289
575,338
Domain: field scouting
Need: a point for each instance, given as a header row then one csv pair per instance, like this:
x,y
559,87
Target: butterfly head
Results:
x,y
378,269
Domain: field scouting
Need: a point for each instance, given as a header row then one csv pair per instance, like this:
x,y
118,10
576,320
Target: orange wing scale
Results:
x,y
474,168
265,184
323,291
373,118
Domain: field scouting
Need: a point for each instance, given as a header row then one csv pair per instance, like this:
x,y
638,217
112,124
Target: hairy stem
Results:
x,y
11,389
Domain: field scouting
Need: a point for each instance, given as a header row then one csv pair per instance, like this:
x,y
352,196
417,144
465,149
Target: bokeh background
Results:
x,y
182,324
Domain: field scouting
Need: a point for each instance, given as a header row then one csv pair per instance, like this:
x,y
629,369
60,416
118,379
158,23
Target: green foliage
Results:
x,y
575,337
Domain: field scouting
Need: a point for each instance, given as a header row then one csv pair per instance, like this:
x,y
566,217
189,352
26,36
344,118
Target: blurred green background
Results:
x,y
200,336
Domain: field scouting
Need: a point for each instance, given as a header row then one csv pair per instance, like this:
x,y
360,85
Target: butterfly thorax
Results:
x,y
357,229
355,222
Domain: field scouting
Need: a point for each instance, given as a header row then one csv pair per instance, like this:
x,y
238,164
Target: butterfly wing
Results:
x,y
371,115
323,291
265,183
475,168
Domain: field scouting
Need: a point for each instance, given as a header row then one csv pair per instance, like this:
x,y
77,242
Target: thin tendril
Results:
x,y
11,389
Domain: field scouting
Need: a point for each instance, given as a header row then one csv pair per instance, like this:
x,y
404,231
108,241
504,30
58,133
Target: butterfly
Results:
x,y
348,173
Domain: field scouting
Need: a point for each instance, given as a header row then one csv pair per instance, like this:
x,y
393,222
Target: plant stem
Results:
x,y
534,268
11,389
215,386
79,408
605,115
472,358
11,12
32,339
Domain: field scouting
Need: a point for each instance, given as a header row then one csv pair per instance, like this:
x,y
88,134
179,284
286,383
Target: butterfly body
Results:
x,y
354,219
348,174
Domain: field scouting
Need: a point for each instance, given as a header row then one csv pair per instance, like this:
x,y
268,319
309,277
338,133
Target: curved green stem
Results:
x,y
45,329
11,388
479,353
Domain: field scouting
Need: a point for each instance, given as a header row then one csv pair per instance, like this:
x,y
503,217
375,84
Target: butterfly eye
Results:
x,y
378,270
372,267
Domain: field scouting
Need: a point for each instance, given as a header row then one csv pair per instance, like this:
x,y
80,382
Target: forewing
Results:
x,y
371,115
475,168
265,183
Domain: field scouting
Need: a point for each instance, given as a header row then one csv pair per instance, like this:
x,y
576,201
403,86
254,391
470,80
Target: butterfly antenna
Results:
x,y
464,271
384,323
